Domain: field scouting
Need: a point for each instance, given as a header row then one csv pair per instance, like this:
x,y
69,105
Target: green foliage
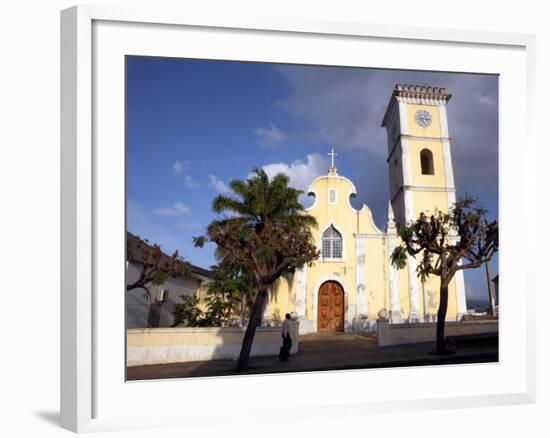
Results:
x,y
230,286
199,241
259,200
187,313
444,243
399,257
265,229
443,240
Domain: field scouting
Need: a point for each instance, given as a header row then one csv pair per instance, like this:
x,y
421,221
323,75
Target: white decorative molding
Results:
x,y
390,224
414,302
301,292
360,276
415,94
420,94
460,291
443,122
424,138
371,235
448,190
409,206
406,163
395,299
430,189
448,163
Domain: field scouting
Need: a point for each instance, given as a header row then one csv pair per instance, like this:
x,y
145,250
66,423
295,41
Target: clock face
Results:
x,y
423,118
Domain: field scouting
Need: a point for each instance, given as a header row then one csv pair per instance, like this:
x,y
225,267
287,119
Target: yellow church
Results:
x,y
353,283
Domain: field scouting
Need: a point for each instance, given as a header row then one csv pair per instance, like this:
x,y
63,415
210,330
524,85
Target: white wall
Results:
x,y
397,334
137,305
188,344
29,181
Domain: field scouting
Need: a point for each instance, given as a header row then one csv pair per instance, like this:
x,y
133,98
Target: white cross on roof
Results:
x,y
332,155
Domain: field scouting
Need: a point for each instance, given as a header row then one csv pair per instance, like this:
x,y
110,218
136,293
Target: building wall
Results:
x,y
185,344
377,272
374,264
418,179
372,278
138,307
396,334
364,270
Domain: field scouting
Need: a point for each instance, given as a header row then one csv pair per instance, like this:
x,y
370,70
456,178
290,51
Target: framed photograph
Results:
x,y
323,207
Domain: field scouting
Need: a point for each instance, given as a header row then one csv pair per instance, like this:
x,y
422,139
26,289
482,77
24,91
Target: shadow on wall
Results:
x,y
153,346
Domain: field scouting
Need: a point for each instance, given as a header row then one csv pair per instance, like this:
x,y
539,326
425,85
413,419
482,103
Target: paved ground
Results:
x,y
323,352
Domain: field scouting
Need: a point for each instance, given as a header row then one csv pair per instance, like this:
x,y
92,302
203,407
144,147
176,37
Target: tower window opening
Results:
x,y
427,162
332,244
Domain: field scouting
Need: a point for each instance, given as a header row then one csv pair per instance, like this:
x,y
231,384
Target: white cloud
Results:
x,y
142,224
164,212
218,184
269,137
176,210
485,99
189,225
181,208
190,182
180,166
301,174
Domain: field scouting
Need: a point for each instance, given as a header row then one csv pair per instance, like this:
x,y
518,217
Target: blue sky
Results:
x,y
194,125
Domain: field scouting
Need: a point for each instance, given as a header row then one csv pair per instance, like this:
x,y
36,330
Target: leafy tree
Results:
x,y
267,232
188,313
155,265
231,285
442,241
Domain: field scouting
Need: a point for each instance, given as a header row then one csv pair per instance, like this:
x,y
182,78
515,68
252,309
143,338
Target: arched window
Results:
x,y
427,162
332,244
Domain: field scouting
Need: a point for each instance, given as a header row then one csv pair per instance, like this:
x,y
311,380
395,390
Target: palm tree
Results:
x,y
265,229
260,201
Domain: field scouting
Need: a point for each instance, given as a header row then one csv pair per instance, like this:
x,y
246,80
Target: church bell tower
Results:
x,y
420,164
419,151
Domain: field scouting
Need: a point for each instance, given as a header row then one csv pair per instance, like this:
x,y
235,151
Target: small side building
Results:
x,y
157,309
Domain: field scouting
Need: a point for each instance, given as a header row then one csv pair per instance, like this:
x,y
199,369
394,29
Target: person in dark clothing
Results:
x,y
284,353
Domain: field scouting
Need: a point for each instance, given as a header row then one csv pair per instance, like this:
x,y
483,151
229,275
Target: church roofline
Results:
x,y
353,193
310,190
418,94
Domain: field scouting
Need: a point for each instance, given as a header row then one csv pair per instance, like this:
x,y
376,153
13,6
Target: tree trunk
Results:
x,y
441,314
253,322
491,290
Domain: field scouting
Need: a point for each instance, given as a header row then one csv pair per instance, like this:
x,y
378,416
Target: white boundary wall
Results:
x,y
185,344
395,334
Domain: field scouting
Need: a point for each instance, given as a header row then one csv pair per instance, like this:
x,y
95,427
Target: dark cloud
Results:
x,y
343,107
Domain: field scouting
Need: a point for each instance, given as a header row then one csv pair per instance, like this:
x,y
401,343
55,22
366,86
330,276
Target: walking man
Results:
x,y
284,353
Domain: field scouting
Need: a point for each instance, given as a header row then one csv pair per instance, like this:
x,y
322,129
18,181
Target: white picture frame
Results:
x,y
92,396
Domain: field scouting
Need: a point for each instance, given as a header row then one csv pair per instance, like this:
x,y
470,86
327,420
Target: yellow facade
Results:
x,y
415,121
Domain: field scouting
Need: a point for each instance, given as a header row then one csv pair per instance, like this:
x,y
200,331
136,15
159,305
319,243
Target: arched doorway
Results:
x,y
330,307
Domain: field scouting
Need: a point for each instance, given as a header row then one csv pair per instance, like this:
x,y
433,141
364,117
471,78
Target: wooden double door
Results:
x,y
330,308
